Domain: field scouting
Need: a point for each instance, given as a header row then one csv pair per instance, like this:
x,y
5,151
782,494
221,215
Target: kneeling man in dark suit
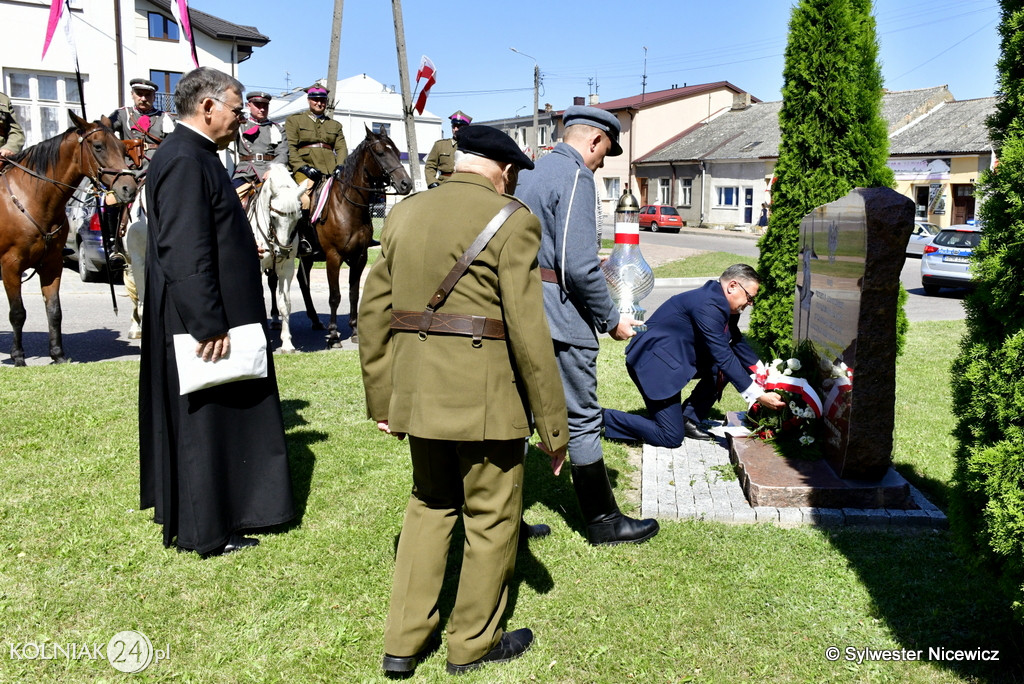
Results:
x,y
693,334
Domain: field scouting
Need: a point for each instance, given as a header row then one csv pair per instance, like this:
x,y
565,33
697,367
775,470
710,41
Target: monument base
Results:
x,y
771,480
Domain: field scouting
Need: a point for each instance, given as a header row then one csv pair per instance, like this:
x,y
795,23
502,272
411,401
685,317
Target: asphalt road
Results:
x,y
92,332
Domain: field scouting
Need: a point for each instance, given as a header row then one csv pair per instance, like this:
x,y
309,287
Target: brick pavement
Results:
x,y
697,481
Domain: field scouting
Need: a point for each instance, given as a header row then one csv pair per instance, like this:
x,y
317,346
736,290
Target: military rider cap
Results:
x,y
598,118
142,84
259,97
460,119
485,141
316,91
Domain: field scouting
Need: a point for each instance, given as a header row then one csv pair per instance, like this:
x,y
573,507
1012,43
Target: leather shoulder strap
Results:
x,y
465,260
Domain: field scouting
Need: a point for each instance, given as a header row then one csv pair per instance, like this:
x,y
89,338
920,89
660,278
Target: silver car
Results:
x,y
946,261
919,239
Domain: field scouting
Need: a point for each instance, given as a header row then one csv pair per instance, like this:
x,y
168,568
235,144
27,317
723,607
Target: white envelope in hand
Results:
x,y
247,359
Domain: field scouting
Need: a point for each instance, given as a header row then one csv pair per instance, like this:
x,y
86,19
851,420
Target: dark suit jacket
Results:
x,y
691,334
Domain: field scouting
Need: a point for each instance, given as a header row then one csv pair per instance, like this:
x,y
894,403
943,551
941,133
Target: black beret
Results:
x,y
142,84
489,142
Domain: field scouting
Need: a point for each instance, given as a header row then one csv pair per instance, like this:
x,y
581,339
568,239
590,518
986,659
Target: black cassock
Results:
x,y
212,462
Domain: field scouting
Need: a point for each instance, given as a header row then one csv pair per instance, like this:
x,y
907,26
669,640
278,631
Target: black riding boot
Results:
x,y
605,523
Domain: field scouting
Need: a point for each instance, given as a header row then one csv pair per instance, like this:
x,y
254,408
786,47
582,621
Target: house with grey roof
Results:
x,y
719,172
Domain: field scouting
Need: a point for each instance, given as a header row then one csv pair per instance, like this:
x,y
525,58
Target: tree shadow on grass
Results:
x,y
930,599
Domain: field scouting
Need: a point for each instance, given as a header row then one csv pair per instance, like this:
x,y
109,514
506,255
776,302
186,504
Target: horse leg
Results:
x,y
49,282
355,272
272,280
12,284
333,275
285,293
305,265
135,277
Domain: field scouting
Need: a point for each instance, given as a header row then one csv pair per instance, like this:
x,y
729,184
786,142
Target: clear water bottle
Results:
x,y
629,277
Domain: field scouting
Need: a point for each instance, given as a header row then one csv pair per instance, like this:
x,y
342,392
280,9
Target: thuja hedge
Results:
x,y
987,504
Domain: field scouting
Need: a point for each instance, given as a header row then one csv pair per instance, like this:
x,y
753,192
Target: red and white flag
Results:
x,y
427,72
179,8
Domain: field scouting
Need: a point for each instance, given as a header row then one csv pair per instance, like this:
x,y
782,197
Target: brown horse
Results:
x,y
345,229
35,186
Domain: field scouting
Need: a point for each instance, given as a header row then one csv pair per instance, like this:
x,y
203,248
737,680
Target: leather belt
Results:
x,y
316,144
548,275
253,157
445,175
151,146
477,327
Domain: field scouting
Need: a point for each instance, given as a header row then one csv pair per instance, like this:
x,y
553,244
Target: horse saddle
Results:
x,y
246,191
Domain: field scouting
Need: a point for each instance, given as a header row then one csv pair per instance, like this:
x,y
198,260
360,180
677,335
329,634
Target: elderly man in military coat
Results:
x,y
440,162
465,382
561,192
12,137
316,142
213,462
260,142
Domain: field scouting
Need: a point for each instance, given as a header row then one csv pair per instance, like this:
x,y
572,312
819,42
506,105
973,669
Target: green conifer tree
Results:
x,y
833,140
987,506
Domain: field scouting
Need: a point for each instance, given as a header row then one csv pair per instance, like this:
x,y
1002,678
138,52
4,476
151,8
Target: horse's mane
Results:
x,y
42,157
348,169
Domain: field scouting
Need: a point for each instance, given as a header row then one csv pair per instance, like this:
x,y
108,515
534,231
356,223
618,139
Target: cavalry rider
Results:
x,y
316,146
142,121
12,137
440,162
260,142
316,142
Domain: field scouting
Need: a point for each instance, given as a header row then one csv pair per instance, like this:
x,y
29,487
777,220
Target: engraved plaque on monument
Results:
x,y
851,252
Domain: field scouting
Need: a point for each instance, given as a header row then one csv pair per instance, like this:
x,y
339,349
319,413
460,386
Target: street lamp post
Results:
x,y
536,100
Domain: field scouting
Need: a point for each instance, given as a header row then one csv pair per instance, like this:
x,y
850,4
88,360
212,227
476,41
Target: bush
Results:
x,y
987,502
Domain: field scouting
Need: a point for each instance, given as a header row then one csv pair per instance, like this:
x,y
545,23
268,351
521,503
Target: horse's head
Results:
x,y
102,158
385,162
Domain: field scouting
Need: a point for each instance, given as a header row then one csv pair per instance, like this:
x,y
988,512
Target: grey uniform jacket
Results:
x,y
561,192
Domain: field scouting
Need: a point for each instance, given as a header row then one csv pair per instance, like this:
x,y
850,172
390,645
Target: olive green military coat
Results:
x,y
301,129
443,387
441,160
12,137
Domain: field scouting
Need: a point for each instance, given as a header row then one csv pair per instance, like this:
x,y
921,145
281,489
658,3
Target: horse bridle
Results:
x,y
279,250
96,182
387,172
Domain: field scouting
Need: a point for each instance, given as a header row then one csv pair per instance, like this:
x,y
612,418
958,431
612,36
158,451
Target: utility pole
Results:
x,y
403,77
536,101
119,56
332,59
643,91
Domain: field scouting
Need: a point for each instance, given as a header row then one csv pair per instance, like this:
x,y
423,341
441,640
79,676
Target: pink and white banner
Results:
x,y
179,8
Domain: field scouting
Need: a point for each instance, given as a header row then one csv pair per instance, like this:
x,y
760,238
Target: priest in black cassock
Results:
x,y
213,462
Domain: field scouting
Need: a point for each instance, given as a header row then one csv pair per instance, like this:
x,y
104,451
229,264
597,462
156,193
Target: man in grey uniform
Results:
x,y
562,193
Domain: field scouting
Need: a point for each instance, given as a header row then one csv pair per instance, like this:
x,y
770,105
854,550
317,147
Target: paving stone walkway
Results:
x,y
697,481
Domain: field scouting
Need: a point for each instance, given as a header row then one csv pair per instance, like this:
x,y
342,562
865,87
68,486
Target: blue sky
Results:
x,y
598,45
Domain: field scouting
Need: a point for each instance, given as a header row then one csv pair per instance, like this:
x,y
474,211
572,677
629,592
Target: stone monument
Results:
x,y
851,252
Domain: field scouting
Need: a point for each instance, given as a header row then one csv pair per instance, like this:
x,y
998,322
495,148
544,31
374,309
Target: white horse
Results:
x,y
274,216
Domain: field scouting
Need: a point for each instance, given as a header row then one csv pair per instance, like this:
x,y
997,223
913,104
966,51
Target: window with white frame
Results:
x,y
727,196
685,192
664,191
612,188
41,102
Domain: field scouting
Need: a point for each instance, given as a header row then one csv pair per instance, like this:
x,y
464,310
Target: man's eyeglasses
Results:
x,y
750,300
239,111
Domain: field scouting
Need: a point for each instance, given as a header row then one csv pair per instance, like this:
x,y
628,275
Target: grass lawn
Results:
x,y
710,264
702,602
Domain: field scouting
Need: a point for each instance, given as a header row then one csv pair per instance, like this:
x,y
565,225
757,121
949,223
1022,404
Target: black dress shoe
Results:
x,y
691,430
237,542
402,667
532,531
510,646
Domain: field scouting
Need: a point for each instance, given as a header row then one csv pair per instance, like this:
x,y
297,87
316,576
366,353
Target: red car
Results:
x,y
660,217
